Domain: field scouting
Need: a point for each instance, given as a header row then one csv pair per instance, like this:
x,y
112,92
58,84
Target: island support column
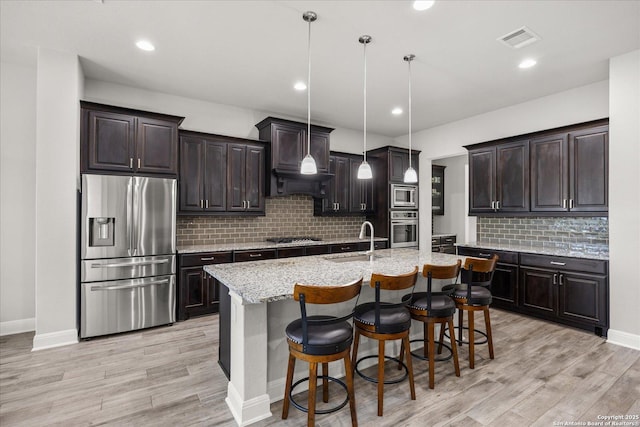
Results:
x,y
247,396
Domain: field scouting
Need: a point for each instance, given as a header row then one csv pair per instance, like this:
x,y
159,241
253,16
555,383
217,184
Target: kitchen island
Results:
x,y
261,305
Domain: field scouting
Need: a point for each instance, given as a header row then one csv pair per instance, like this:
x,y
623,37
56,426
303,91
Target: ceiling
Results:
x,y
250,53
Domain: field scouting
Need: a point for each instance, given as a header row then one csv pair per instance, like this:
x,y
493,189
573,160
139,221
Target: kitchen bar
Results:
x,y
262,305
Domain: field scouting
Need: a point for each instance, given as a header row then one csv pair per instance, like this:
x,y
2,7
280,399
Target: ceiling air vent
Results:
x,y
519,38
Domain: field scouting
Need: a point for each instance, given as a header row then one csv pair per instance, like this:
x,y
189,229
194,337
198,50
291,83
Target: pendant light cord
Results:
x,y
309,92
409,112
365,101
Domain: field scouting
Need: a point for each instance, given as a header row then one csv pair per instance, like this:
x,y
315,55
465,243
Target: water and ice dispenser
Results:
x,y
102,230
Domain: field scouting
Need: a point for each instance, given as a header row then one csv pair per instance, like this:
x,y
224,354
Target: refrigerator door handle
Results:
x,y
136,215
129,219
122,287
129,264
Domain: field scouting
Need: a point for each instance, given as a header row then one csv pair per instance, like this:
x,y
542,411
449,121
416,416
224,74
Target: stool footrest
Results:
x,y
375,380
319,411
437,359
461,341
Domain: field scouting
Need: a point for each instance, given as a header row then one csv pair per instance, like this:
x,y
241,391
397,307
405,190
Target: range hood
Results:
x,y
288,142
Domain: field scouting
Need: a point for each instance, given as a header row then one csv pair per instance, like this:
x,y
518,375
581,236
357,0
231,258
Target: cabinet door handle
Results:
x,y
255,255
564,203
206,203
244,204
497,205
561,281
571,205
130,162
201,204
211,258
493,205
138,162
557,263
555,278
248,204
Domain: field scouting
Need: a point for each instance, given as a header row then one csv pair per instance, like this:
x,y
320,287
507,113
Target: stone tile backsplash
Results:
x,y
546,232
284,216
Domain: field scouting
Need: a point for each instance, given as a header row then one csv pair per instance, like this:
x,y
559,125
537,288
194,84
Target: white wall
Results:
x,y
573,106
455,212
17,201
59,88
220,119
624,198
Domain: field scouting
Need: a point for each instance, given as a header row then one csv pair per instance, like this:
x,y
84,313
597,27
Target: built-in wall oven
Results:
x,y
404,229
404,196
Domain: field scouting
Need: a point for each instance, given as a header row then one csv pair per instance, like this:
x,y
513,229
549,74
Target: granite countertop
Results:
x,y
273,280
600,252
267,245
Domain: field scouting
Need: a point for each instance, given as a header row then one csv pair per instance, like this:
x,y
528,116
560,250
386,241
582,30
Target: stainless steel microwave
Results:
x,y
404,196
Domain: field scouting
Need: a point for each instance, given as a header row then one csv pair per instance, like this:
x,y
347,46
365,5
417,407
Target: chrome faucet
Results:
x,y
362,228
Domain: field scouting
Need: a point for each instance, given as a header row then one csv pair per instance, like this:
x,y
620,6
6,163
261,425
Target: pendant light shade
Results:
x,y
364,171
308,165
410,175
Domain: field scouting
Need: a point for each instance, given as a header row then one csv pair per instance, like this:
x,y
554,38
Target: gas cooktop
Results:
x,y
292,239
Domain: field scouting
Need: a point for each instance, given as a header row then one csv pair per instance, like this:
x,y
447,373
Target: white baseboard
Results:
x,y
624,339
17,326
55,339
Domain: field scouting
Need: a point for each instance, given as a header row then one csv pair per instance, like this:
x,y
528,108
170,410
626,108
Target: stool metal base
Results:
x,y
319,411
437,359
375,380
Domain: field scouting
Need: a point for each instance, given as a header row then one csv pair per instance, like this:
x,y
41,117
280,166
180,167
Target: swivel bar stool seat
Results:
x,y
435,308
383,321
320,339
473,295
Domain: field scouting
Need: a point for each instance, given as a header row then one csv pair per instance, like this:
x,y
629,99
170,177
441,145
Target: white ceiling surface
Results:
x,y
250,53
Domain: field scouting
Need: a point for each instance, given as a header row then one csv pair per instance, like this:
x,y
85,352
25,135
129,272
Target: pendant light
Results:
x,y
410,175
308,165
364,171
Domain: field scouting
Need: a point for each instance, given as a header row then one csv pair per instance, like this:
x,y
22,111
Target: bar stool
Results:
x,y
435,308
320,339
384,321
474,295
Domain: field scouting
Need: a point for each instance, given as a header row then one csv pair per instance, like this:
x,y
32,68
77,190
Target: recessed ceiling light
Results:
x,y
300,86
396,111
423,5
527,63
145,45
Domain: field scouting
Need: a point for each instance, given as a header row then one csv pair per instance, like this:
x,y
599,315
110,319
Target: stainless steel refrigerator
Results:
x,y
127,253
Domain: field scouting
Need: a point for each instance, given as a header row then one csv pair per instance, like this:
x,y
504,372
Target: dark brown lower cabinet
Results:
x,y
504,287
571,291
198,292
566,290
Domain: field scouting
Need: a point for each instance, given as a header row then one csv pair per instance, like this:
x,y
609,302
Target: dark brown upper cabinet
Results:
x,y
126,141
499,178
245,178
221,175
399,163
203,173
570,171
346,194
437,189
563,170
288,146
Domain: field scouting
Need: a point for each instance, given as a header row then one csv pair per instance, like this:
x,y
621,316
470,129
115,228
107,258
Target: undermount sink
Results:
x,y
353,258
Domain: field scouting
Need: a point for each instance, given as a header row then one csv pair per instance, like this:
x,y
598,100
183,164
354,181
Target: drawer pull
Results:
x,y
255,255
557,263
345,249
485,255
208,259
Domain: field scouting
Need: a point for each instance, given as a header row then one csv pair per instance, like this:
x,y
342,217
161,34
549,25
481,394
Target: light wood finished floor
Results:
x,y
169,376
